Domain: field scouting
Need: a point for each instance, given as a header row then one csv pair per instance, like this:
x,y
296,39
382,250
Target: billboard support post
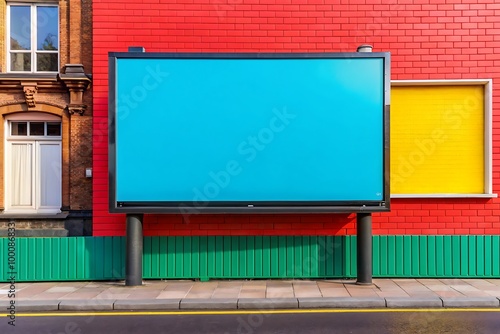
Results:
x,y
134,249
364,230
364,248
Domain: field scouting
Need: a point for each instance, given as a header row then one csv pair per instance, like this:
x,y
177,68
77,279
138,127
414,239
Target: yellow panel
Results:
x,y
437,139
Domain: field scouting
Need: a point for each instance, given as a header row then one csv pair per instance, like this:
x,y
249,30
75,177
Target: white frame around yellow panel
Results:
x,y
486,84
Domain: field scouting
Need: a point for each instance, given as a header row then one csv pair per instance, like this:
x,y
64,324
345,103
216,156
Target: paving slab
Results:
x,y
202,290
279,293
385,294
330,284
32,290
358,293
471,302
464,287
267,303
199,294
171,294
226,293
148,295
66,289
405,280
184,287
453,281
86,305
413,302
493,292
106,295
43,296
494,281
334,292
439,287
307,292
146,304
449,294
414,288
254,284
383,283
80,295
252,292
479,282
209,304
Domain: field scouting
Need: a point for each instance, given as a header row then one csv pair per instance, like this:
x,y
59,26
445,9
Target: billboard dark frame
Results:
x,y
243,207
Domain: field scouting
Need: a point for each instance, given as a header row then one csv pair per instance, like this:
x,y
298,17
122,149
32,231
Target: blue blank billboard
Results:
x,y
248,132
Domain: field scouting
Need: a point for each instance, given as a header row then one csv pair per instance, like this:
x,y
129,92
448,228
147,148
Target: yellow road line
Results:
x,y
86,314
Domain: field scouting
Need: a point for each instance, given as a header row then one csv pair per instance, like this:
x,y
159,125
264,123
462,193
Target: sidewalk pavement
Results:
x,y
251,295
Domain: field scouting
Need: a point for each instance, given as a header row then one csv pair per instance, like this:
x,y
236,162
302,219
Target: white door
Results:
x,y
33,163
20,191
49,180
34,178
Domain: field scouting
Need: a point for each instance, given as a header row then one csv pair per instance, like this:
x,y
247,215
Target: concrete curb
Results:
x,y
471,302
341,302
147,304
267,303
208,304
413,302
86,305
248,304
30,305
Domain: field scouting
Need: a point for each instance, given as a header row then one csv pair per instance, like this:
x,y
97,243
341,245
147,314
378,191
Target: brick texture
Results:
x,y
3,6
75,44
75,36
428,39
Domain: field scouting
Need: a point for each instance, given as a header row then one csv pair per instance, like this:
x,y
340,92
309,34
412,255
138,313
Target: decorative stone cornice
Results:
x,y
77,109
77,83
29,90
73,80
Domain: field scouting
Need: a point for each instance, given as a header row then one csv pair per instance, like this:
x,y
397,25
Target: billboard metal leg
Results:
x,y
364,248
133,265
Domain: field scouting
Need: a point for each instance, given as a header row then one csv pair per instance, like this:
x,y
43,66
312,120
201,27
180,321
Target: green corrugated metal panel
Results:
x,y
437,256
350,250
103,258
496,256
65,259
244,257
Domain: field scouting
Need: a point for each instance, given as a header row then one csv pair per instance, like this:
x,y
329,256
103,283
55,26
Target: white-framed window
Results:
x,y
33,164
441,138
32,37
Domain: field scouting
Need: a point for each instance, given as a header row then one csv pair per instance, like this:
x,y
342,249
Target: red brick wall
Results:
x,y
428,39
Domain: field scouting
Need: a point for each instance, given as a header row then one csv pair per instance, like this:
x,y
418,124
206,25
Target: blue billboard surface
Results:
x,y
247,132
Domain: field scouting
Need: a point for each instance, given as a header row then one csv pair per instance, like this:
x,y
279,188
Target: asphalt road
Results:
x,y
359,321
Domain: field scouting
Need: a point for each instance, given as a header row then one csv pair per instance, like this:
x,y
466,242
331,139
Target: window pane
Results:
x,y
47,28
53,129
20,28
50,175
20,62
37,128
46,62
19,128
21,175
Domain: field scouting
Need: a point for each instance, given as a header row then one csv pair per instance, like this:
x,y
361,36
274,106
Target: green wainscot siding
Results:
x,y
240,257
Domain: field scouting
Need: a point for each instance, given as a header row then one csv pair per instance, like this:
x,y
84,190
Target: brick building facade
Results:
x,y
442,42
46,109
